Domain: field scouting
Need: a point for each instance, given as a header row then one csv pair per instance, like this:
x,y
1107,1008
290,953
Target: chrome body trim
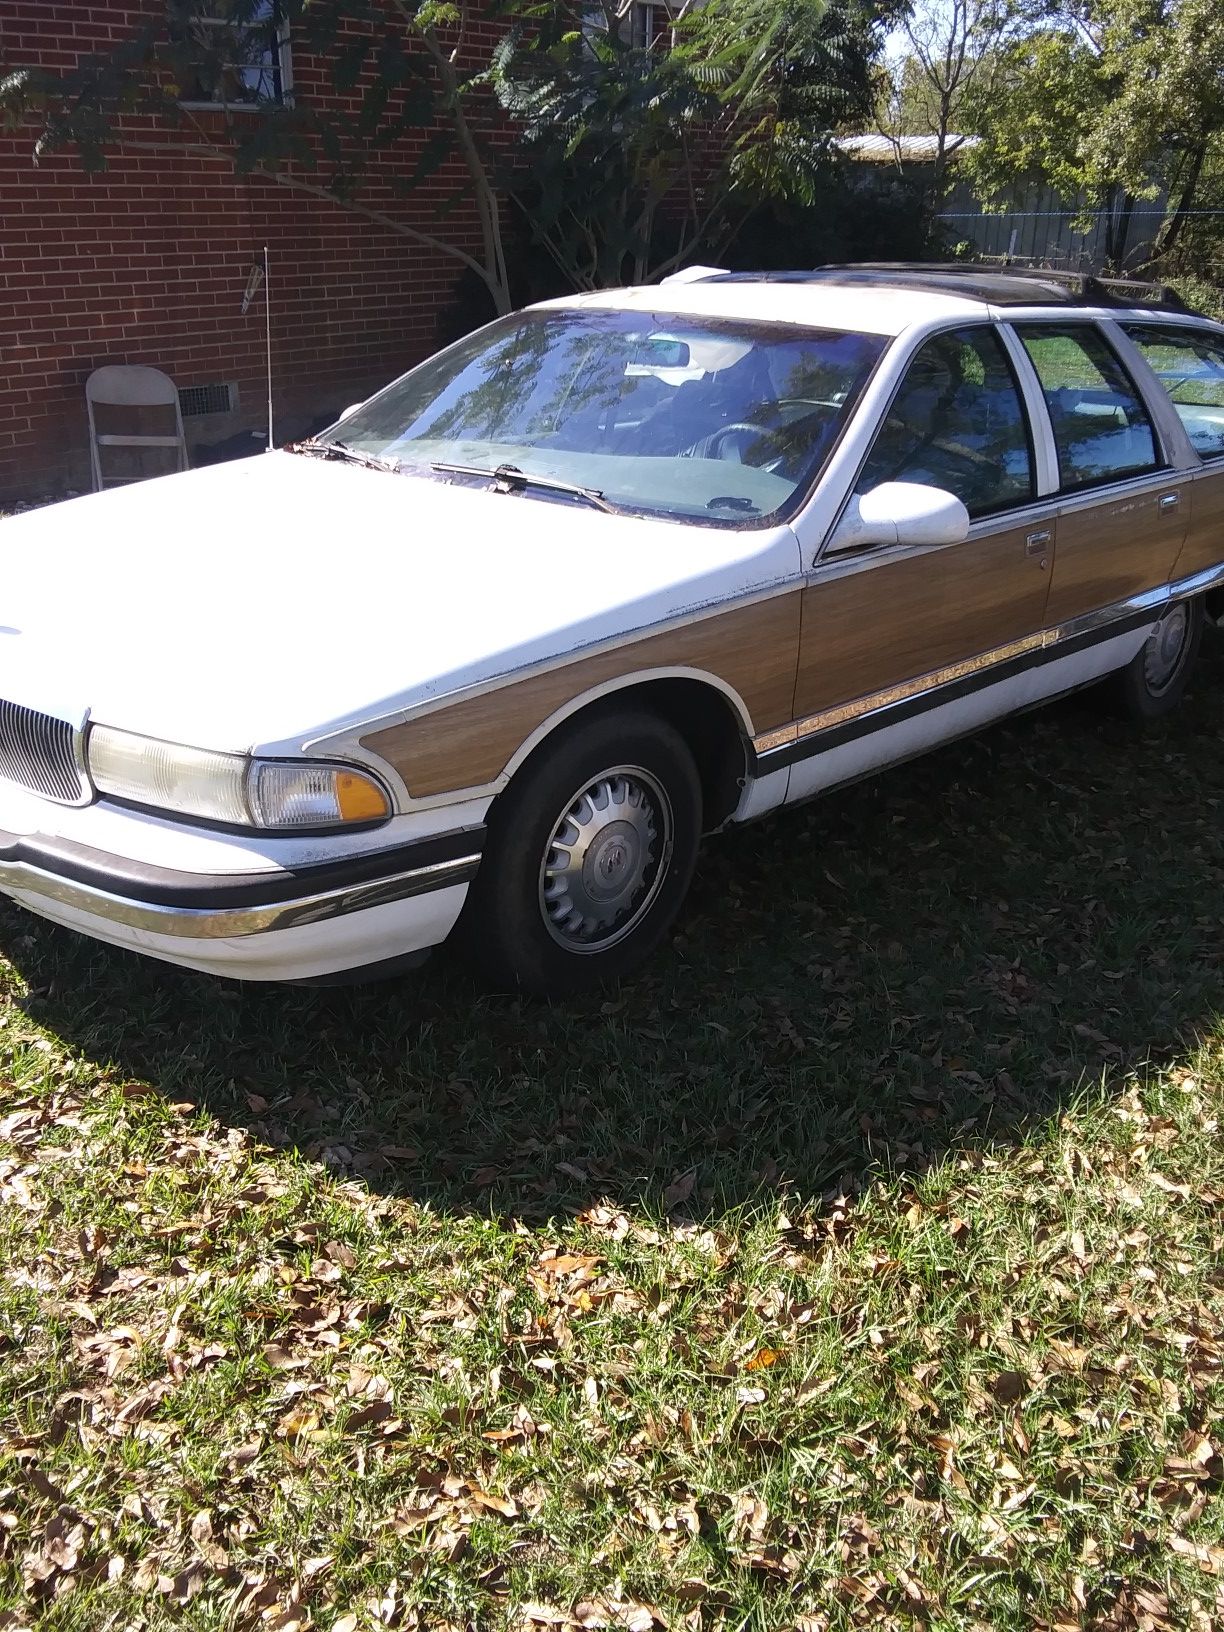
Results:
x,y
203,923
44,754
880,701
88,792
1162,478
772,745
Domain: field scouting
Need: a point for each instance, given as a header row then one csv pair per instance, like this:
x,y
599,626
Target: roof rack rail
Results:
x,y
1087,288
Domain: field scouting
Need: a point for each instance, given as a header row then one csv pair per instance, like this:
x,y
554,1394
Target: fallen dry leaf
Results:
x,y
1210,1559
680,1189
298,1420
1009,1386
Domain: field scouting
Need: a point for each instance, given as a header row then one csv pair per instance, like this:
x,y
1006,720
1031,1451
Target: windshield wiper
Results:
x,y
510,479
341,450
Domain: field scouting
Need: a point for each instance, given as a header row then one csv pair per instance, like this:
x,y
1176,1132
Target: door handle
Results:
x,y
1170,501
1037,543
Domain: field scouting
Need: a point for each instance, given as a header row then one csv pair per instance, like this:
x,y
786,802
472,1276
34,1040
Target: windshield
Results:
x,y
719,421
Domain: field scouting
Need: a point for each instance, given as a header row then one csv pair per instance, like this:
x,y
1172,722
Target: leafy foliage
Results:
x,y
948,60
1110,98
669,146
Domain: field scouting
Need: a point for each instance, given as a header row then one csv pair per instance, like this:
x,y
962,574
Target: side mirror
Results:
x,y
351,409
901,513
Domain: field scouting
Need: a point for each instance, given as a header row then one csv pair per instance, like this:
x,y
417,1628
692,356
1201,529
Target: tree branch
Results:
x,y
295,184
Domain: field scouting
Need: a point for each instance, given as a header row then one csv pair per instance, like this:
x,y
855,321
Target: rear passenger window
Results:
x,y
957,423
1101,428
1189,363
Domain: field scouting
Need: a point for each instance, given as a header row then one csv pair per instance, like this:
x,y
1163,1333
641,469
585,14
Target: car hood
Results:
x,y
278,598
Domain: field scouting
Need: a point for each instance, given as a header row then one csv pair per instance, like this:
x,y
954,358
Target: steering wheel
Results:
x,y
716,440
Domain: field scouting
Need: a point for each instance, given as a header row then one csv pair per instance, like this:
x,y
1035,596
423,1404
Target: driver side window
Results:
x,y
958,423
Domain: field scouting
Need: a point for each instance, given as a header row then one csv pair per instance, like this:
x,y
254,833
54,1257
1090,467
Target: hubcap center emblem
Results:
x,y
613,861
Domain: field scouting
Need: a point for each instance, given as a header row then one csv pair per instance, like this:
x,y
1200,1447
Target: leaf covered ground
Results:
x,y
858,1266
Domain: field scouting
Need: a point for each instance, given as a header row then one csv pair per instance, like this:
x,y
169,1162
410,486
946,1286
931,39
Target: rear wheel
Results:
x,y
1155,680
590,854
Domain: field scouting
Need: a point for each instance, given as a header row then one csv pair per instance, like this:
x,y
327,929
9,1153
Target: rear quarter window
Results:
x,y
1189,363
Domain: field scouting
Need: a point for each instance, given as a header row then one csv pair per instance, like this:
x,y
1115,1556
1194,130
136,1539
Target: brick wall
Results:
x,y
147,263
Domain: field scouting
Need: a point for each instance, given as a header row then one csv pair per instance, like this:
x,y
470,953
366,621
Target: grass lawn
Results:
x,y
860,1265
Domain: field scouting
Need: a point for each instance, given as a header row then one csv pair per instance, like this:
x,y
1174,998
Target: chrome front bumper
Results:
x,y
201,907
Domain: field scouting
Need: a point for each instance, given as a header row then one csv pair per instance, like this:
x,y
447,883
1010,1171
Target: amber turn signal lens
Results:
x,y
359,798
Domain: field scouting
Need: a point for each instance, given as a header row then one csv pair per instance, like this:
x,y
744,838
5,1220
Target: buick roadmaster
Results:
x,y
491,654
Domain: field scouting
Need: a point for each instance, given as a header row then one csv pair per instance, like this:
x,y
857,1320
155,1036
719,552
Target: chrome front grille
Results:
x,y
40,752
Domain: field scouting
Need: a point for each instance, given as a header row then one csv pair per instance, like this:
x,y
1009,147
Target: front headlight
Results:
x,y
231,788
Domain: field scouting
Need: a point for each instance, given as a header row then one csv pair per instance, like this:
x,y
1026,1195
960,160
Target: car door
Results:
x,y
1188,360
896,630
1123,511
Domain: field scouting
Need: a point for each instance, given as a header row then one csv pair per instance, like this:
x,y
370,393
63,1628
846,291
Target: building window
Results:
x,y
652,24
239,51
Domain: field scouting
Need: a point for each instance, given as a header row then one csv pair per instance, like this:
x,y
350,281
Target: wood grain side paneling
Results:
x,y
910,616
468,744
1204,546
1110,551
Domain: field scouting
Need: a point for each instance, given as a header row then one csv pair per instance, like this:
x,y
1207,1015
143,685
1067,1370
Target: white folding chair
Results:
x,y
131,387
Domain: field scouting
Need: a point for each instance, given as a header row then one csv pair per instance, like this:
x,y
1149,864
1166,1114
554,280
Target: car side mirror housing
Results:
x,y
351,409
901,513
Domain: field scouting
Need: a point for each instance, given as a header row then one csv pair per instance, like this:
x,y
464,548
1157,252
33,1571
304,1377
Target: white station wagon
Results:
x,y
490,655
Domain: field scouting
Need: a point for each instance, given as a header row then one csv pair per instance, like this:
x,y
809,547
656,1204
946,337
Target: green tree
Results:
x,y
639,153
949,55
1110,99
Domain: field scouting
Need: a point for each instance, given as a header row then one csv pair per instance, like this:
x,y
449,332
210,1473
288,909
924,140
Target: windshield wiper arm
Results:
x,y
510,479
341,450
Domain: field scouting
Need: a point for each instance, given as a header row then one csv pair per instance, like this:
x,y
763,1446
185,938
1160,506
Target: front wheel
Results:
x,y
590,854
1155,680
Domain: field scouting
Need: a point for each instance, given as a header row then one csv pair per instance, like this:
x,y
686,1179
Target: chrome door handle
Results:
x,y
1037,543
1170,501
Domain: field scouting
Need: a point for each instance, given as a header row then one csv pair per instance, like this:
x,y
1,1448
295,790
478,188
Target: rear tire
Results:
x,y
1155,680
589,856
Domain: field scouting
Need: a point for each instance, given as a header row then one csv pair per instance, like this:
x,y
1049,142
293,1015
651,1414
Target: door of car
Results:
x,y
1123,511
1188,360
895,628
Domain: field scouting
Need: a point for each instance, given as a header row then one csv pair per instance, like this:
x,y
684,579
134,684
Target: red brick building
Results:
x,y
148,261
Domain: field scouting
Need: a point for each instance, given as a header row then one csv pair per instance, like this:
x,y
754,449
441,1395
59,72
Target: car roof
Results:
x,y
881,311
883,298
995,285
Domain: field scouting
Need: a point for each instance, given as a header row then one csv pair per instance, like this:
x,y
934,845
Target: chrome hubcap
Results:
x,y
1162,654
606,860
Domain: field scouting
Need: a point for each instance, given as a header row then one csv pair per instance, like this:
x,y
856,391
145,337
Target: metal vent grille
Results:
x,y
39,752
197,400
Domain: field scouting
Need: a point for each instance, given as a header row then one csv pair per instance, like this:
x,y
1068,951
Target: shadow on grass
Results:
x,y
937,957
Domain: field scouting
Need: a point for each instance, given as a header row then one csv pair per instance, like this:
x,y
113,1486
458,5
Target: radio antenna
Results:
x,y
268,318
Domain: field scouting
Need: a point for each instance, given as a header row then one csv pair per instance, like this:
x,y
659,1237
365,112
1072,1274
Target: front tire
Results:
x,y
589,856
1155,680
